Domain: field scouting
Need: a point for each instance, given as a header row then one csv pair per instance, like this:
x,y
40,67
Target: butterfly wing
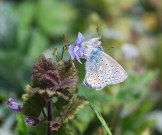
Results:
x,y
102,70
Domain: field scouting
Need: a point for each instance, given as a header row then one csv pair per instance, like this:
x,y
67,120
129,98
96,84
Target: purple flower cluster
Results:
x,y
82,48
76,49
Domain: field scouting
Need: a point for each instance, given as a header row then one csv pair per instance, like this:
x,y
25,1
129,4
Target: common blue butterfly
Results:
x,y
101,69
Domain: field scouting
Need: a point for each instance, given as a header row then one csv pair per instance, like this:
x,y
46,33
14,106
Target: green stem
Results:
x,y
63,49
49,109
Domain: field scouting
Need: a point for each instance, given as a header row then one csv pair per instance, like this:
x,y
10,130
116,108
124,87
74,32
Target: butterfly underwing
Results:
x,y
102,70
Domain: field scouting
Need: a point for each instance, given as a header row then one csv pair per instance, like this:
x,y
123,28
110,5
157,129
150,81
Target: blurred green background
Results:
x,y
131,32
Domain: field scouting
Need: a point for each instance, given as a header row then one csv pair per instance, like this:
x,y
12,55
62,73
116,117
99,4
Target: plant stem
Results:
x,y
62,55
49,108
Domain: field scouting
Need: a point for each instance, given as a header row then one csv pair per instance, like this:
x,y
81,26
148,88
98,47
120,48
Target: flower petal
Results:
x,y
94,42
80,39
71,51
78,59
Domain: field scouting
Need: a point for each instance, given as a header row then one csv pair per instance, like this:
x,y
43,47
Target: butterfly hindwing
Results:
x,y
102,70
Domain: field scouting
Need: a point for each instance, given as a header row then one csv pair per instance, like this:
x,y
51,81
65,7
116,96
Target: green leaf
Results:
x,y
21,126
26,11
101,119
75,105
34,105
56,22
55,52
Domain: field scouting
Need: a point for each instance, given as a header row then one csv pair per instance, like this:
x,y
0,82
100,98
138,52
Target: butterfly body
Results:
x,y
95,56
102,70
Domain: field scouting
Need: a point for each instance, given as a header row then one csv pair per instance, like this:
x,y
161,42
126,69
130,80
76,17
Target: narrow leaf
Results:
x,y
21,126
101,119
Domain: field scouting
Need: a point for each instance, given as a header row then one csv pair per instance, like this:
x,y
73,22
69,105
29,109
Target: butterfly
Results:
x,y
101,69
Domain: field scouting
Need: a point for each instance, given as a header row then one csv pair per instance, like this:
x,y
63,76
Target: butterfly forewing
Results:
x,y
102,70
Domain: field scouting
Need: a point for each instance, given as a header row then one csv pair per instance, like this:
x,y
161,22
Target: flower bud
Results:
x,y
55,125
13,105
31,121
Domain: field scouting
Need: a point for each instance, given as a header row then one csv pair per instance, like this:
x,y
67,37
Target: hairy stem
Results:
x,y
49,109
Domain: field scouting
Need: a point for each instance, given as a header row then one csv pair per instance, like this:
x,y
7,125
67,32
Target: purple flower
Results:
x,y
13,105
82,48
76,49
31,121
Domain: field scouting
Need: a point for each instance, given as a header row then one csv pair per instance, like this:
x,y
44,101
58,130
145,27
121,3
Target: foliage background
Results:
x,y
131,33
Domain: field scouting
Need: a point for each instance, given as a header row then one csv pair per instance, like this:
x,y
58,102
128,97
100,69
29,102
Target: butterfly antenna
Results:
x,y
97,29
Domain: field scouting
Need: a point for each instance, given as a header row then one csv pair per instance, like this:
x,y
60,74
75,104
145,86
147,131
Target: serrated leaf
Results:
x,y
54,93
76,104
45,92
101,119
34,105
41,66
67,68
68,74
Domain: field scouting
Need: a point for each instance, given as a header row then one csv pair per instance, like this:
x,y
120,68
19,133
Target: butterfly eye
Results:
x,y
102,60
97,64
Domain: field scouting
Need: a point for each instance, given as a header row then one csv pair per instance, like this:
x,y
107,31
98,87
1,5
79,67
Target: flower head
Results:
x,y
13,105
82,48
76,49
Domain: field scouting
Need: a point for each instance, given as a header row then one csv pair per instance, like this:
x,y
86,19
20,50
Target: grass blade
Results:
x,y
101,119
